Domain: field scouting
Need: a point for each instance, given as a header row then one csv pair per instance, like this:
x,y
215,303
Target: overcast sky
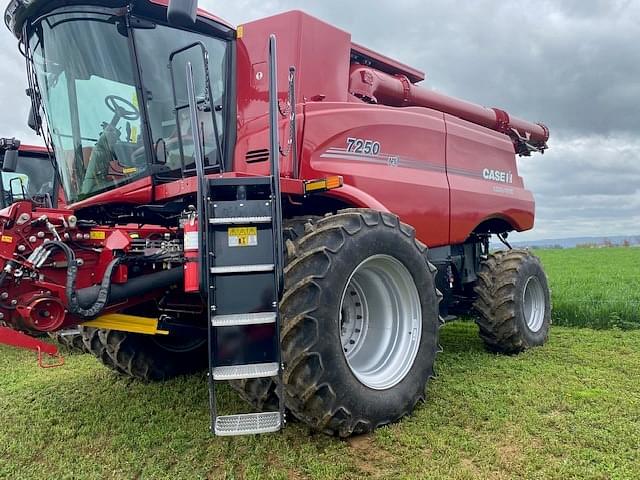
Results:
x,y
573,64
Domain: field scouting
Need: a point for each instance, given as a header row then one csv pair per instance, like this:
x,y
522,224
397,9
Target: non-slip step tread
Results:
x,y
252,370
239,220
242,269
261,318
248,424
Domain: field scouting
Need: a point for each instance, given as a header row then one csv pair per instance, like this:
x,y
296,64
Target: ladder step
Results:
x,y
239,220
242,269
248,424
252,370
243,319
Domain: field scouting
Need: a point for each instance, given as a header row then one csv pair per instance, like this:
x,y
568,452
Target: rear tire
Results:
x,y
147,357
345,393
513,302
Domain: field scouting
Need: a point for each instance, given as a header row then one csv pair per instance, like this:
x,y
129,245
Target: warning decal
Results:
x,y
243,237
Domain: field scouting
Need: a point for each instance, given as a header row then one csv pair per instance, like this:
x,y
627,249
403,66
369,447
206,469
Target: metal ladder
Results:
x,y
244,270
241,260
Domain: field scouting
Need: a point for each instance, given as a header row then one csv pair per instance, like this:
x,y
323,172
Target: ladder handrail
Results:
x,y
275,155
277,204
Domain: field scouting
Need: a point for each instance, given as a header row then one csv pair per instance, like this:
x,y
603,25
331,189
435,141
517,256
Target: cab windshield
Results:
x,y
85,72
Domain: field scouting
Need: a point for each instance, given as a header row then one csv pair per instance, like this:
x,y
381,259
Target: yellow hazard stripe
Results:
x,y
127,323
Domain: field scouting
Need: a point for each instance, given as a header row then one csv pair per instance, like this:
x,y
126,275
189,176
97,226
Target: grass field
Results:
x,y
568,410
595,287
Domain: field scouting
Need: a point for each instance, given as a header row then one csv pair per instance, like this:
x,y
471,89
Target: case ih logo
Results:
x,y
497,176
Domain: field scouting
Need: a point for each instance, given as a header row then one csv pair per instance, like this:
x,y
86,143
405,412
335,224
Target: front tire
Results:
x,y
357,281
513,302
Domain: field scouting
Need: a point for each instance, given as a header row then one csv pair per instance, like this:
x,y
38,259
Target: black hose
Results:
x,y
102,296
133,288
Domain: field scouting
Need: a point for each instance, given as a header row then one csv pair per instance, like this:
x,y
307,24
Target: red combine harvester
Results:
x,y
263,215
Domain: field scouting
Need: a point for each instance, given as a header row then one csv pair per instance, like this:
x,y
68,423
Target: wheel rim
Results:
x,y
534,304
380,322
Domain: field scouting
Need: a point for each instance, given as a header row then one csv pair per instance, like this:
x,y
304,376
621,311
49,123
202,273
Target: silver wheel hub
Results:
x,y
533,304
380,322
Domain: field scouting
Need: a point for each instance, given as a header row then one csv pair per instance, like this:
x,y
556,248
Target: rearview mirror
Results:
x,y
34,120
10,161
182,12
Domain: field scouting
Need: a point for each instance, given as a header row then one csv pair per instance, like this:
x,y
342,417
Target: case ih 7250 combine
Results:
x,y
267,215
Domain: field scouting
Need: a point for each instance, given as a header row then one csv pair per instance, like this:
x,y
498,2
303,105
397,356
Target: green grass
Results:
x,y
568,410
596,287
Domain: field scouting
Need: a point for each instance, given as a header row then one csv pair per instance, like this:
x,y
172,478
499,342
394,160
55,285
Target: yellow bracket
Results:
x,y
127,323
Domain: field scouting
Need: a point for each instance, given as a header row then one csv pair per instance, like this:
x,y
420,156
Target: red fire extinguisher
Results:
x,y
191,253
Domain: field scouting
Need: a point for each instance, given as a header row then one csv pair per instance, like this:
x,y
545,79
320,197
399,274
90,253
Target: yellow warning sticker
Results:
x,y
97,235
243,237
129,170
7,239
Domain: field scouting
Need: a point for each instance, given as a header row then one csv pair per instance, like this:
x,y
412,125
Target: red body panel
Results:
x,y
407,176
431,167
471,152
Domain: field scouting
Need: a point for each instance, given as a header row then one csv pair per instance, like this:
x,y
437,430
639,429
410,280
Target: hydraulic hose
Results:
x,y
102,296
134,287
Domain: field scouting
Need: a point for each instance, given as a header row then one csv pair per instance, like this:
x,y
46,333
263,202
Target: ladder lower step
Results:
x,y
239,372
239,220
248,424
242,269
240,319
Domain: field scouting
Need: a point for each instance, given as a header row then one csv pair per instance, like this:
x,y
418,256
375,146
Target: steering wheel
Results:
x,y
118,106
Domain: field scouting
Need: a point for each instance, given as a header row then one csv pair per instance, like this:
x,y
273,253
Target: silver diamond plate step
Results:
x,y
248,424
239,220
242,269
261,318
238,372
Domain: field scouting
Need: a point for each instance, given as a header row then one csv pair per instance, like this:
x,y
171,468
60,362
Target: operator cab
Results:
x,y
102,75
30,175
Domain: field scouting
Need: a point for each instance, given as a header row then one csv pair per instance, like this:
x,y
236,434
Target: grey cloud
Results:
x,y
574,64
586,166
